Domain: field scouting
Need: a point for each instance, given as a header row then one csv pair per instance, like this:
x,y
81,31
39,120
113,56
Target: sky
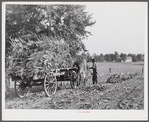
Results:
x,y
120,26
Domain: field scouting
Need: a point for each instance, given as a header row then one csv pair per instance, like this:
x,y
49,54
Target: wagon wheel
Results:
x,y
50,84
22,88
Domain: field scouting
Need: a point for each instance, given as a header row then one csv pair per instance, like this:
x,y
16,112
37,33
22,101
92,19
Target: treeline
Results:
x,y
116,57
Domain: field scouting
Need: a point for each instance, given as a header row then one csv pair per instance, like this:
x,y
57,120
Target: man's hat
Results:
x,y
93,59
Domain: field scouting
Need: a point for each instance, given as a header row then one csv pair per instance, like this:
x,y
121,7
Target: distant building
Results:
x,y
128,59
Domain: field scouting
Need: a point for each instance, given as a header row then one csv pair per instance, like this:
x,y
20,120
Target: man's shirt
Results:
x,y
94,67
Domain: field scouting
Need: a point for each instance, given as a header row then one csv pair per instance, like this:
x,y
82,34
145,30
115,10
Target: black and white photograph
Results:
x,y
74,61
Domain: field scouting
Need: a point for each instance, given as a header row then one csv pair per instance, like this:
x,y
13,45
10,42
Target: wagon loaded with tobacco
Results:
x,y
49,81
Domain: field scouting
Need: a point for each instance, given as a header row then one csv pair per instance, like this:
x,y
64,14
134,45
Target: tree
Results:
x,y
66,22
107,57
96,58
89,57
139,57
123,56
37,35
134,58
116,56
112,57
101,57
143,57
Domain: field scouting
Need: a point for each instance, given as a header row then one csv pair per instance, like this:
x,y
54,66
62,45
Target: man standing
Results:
x,y
94,67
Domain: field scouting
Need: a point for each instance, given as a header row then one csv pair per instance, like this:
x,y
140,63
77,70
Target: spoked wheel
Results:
x,y
22,88
50,84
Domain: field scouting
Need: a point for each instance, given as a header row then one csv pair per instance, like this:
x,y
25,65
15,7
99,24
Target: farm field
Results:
x,y
128,94
131,67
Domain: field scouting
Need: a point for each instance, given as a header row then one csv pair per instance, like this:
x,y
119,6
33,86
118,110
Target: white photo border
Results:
x,y
39,114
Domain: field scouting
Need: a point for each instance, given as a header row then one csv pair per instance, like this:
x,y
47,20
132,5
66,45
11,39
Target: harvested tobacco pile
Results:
x,y
128,76
117,78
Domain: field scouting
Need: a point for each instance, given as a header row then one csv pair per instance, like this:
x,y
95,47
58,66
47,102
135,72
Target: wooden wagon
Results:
x,y
49,81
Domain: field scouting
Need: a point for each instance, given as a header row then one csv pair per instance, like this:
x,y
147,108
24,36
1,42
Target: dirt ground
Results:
x,y
128,94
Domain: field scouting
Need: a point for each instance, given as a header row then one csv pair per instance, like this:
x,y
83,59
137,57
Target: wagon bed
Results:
x,y
47,79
